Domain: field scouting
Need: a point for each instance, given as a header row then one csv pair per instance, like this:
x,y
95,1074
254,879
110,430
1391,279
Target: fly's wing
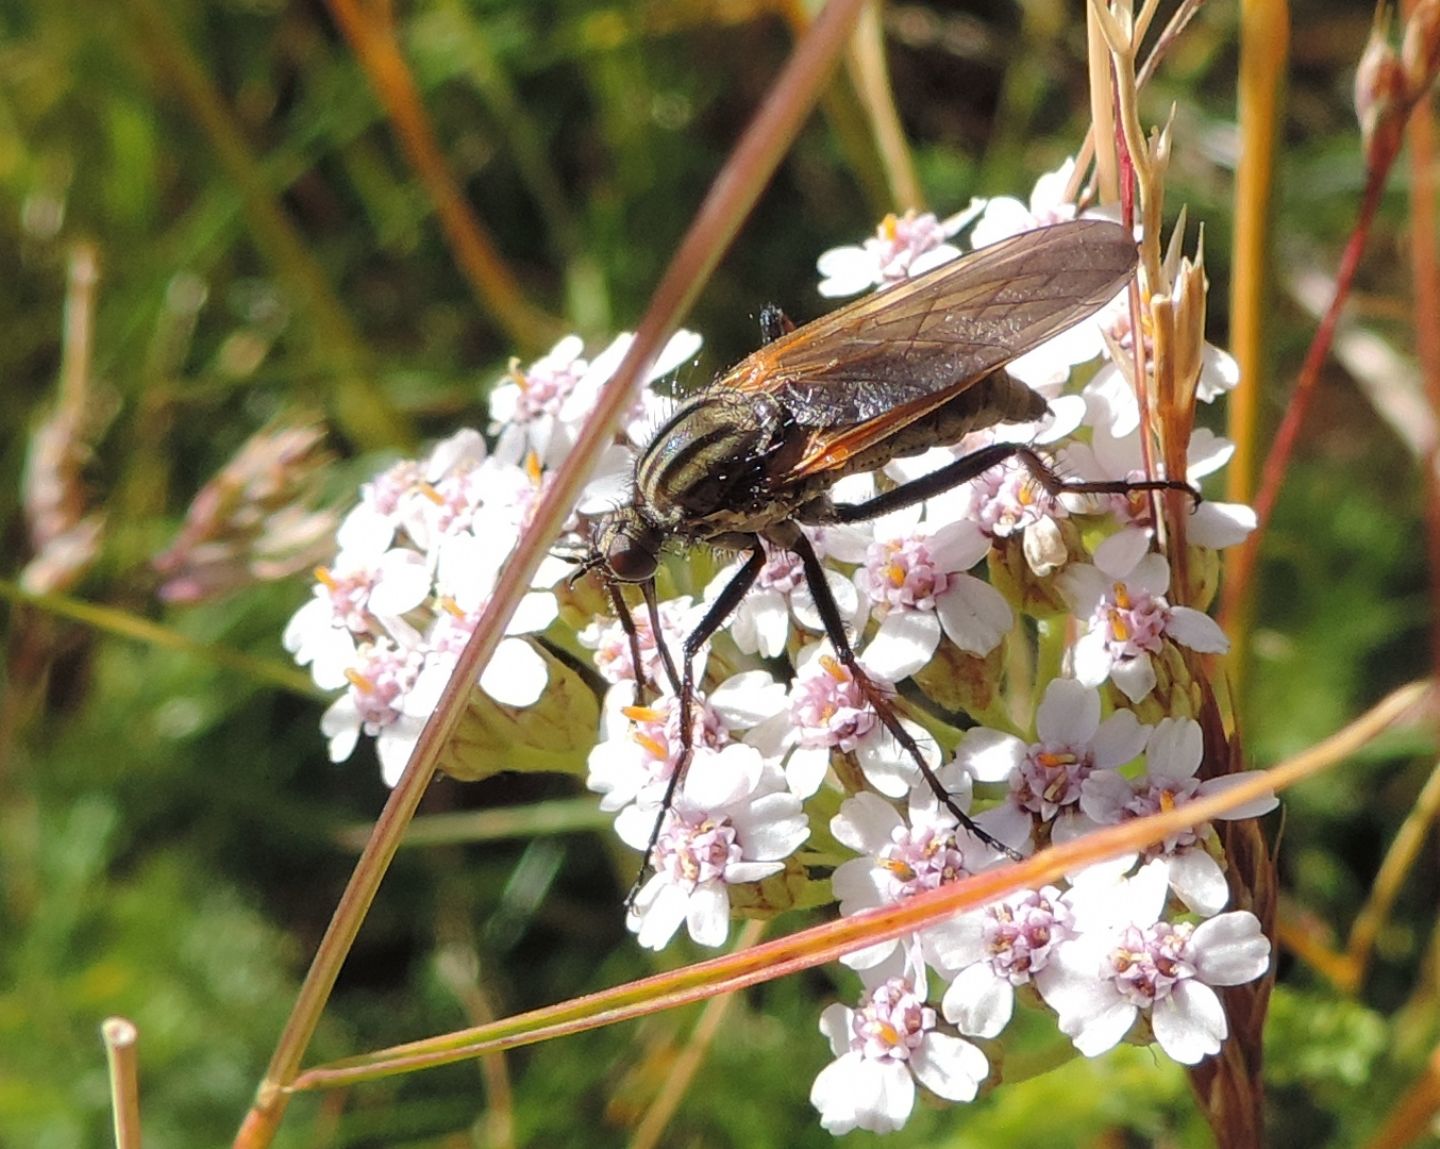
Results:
x,y
862,372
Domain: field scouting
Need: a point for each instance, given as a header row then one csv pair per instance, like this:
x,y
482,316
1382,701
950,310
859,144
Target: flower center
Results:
x,y
900,574
545,387
1147,963
381,681
1134,621
1022,932
922,858
1050,777
694,849
891,1023
828,708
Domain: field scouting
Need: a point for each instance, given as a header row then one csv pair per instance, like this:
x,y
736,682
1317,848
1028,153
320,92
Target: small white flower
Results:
x,y
902,857
882,1048
995,949
1172,760
731,822
1122,598
829,712
1005,215
353,598
639,746
901,248
378,703
1125,961
914,578
1046,776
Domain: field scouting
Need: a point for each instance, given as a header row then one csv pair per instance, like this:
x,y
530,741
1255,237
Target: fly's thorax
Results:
x,y
706,468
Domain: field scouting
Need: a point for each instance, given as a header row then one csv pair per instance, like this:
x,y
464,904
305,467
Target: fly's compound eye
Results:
x,y
630,548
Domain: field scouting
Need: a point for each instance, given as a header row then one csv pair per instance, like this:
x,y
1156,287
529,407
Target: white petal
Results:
x,y
1190,1023
762,624
1251,809
903,644
1175,750
1121,553
1083,585
958,546
1090,1011
535,613
680,349
805,770
737,873
1120,739
975,615
1090,659
707,915
516,676
1069,712
772,827
718,779
1135,677
865,823
1220,525
887,765
1104,796
1196,630
1218,373
979,1002
656,924
990,755
1199,881
748,699
1230,949
950,1067
869,957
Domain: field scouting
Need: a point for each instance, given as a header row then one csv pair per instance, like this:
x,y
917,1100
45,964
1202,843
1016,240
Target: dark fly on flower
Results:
x,y
750,459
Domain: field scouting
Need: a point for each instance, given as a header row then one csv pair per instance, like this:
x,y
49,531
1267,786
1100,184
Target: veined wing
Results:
x,y
933,336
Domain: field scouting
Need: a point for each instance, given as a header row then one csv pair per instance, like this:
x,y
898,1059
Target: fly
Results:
x,y
750,460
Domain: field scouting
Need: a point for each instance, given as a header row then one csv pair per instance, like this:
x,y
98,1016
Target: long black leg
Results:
x,y
835,631
977,463
719,611
647,588
627,624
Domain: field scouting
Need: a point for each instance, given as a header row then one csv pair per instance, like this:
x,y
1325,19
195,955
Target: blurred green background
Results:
x,y
170,827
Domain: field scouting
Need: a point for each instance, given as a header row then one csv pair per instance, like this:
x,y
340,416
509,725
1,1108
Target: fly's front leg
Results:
x,y
721,609
829,613
632,636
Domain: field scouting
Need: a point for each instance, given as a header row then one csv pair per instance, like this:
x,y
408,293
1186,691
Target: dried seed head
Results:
x,y
255,520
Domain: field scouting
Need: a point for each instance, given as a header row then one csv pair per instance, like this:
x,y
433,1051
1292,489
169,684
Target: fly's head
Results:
x,y
627,545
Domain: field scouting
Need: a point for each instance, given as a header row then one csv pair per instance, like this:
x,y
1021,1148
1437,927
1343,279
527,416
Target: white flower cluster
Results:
x,y
419,556
1133,947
